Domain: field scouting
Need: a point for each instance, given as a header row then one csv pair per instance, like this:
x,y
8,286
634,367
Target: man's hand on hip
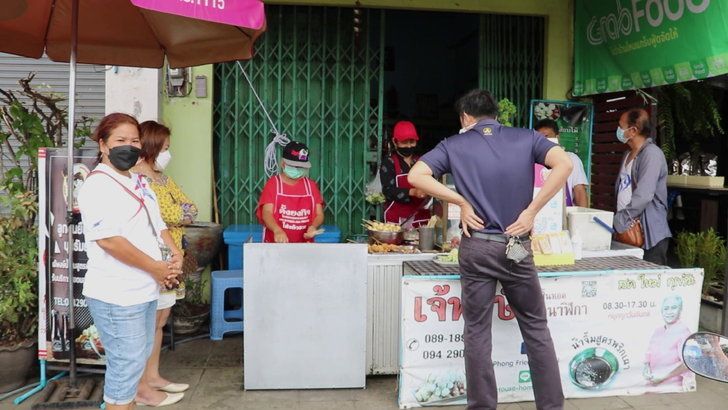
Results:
x,y
523,224
469,219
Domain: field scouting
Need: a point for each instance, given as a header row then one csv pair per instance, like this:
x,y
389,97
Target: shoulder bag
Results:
x,y
633,236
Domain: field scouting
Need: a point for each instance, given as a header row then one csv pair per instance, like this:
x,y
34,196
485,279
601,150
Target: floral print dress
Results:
x,y
177,210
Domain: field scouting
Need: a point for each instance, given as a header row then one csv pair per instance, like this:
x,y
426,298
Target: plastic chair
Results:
x,y
224,320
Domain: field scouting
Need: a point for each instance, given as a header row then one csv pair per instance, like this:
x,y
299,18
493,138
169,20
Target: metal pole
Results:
x,y
724,324
40,385
69,202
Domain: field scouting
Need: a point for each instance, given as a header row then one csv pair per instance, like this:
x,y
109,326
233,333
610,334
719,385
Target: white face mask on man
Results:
x,y
163,160
466,128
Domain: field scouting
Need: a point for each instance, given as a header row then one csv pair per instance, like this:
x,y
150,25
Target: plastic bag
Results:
x,y
709,165
686,165
373,191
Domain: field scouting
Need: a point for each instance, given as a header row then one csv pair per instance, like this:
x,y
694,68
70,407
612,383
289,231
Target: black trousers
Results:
x,y
658,253
482,264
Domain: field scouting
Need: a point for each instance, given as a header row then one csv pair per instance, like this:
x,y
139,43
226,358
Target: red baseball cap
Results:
x,y
405,130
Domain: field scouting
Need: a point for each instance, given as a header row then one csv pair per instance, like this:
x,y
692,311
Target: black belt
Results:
x,y
496,237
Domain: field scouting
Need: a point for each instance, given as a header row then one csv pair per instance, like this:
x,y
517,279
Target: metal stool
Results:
x,y
221,320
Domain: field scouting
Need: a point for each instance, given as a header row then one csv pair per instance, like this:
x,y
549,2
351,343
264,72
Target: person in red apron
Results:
x,y
404,203
291,207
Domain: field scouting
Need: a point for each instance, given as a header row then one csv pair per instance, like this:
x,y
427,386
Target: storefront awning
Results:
x,y
627,44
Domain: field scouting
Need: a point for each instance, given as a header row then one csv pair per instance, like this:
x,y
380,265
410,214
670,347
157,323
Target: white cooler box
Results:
x,y
594,237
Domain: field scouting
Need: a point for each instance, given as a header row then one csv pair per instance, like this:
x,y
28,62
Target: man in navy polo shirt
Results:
x,y
492,166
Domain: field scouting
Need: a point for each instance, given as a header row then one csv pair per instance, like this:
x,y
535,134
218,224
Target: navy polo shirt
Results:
x,y
492,166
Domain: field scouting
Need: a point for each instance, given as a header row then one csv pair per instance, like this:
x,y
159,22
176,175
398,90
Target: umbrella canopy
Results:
x,y
116,32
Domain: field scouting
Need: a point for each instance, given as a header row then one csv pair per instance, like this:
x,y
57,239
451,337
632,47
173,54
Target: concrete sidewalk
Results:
x,y
214,369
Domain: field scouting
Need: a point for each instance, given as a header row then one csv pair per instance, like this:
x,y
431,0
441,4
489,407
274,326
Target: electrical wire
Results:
x,y
271,158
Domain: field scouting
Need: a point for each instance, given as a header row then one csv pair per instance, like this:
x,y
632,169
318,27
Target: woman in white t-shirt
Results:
x,y
124,232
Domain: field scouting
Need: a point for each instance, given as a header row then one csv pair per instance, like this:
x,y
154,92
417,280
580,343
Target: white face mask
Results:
x,y
467,128
163,160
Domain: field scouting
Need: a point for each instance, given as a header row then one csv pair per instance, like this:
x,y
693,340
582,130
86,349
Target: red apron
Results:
x,y
294,213
396,212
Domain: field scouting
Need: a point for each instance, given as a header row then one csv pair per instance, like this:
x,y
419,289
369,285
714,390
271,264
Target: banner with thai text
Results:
x,y
54,336
574,121
615,333
627,44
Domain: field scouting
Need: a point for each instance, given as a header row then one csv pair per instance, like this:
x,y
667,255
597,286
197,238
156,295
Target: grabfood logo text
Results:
x,y
625,20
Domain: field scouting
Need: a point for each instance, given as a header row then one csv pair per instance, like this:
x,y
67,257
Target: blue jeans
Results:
x,y
125,331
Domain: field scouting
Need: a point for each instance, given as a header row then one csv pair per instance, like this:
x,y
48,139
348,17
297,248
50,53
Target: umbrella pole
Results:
x,y
69,202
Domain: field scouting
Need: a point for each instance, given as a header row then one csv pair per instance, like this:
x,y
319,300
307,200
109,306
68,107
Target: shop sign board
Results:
x,y
54,337
605,327
628,44
574,121
575,125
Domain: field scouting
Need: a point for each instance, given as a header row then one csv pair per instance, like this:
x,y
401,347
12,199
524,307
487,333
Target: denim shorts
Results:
x,y
125,331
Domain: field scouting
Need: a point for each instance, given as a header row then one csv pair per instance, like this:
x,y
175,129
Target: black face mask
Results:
x,y
406,152
124,157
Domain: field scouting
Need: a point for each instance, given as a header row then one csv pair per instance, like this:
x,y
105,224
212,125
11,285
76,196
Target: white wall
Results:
x,y
134,91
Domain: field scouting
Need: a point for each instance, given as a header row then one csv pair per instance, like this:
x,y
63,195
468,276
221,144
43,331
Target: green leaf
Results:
x,y
15,172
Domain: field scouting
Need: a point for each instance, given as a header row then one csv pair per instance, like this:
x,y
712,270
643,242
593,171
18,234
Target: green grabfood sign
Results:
x,y
628,44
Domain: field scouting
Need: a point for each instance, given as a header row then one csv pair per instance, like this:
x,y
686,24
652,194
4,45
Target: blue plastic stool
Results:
x,y
221,320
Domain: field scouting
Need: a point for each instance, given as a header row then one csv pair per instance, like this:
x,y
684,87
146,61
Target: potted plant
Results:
x,y
688,110
192,312
507,112
706,250
18,290
29,119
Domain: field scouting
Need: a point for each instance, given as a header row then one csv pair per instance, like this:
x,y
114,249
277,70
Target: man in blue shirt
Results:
x,y
492,166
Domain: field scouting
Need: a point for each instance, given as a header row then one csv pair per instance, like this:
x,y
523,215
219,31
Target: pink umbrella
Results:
x,y
137,33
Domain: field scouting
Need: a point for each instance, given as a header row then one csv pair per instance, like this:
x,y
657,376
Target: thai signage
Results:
x,y
628,44
574,121
575,125
54,336
615,333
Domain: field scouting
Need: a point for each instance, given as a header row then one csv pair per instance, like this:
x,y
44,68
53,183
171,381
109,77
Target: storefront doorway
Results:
x,y
339,85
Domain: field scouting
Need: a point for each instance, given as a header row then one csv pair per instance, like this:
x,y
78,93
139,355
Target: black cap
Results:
x,y
296,154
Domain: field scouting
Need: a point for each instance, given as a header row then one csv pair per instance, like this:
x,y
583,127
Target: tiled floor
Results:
x,y
214,369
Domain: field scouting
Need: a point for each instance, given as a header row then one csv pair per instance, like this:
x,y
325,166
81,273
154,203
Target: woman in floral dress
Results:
x,y
177,211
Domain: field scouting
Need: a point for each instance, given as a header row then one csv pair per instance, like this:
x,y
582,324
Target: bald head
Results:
x,y
637,119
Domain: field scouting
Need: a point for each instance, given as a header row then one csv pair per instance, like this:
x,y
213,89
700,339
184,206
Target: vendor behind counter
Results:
x,y
404,203
291,207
